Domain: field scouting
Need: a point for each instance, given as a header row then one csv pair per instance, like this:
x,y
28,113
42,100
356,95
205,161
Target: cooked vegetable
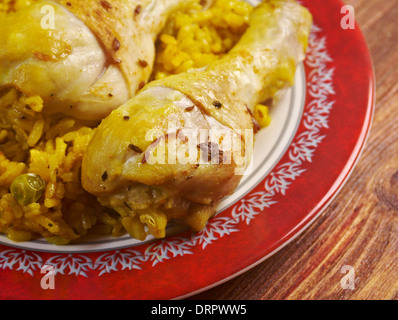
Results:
x,y
261,115
28,188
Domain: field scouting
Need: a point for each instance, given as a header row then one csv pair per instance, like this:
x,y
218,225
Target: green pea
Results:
x,y
28,188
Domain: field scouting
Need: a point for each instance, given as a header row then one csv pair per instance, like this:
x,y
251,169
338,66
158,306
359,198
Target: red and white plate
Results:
x,y
301,161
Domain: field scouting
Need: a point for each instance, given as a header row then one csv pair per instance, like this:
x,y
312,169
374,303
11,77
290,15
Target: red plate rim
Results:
x,y
145,273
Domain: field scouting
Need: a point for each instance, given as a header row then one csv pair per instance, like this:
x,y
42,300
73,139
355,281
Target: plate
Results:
x,y
300,162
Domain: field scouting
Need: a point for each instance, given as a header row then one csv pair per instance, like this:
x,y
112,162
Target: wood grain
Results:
x,y
360,227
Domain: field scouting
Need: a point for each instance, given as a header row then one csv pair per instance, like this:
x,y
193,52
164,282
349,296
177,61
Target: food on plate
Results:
x,y
49,112
138,162
52,146
83,58
194,38
27,188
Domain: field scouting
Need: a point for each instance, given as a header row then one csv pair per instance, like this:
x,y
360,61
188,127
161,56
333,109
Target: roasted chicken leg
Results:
x,y
84,58
124,166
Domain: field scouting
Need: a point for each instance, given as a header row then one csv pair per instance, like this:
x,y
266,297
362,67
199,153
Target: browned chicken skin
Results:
x,y
97,55
124,166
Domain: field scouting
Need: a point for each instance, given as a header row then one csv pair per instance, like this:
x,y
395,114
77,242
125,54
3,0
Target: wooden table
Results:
x,y
360,228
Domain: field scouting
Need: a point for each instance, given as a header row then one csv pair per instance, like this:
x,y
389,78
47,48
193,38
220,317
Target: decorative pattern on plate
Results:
x,y
315,121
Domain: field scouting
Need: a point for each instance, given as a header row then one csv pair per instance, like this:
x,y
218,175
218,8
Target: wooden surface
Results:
x,y
360,227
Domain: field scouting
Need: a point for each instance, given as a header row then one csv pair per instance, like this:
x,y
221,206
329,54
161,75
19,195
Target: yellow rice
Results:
x,y
53,146
195,38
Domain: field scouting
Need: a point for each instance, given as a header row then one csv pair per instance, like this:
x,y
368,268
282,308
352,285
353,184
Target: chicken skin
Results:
x,y
83,58
142,160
